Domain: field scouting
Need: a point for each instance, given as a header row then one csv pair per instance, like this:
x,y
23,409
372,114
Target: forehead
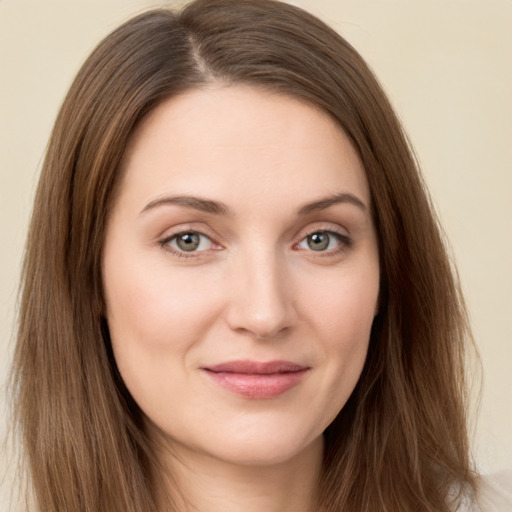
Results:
x,y
232,140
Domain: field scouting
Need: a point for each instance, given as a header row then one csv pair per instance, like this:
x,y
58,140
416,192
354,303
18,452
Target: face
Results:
x,y
241,273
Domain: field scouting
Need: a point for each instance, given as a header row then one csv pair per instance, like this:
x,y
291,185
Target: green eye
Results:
x,y
189,241
320,241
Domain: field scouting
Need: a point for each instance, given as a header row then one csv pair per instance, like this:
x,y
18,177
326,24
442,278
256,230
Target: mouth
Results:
x,y
257,380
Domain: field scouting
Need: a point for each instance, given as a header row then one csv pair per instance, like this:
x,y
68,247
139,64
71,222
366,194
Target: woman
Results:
x,y
235,292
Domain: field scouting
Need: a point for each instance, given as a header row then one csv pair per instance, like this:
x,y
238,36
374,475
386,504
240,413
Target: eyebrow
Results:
x,y
196,203
219,208
326,202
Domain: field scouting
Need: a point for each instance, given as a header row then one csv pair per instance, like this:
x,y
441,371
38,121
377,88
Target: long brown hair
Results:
x,y
400,443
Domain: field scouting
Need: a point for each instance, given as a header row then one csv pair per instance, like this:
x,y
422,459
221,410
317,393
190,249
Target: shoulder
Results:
x,y
494,494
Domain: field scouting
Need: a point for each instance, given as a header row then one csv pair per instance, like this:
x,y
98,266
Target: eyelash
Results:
x,y
165,244
345,242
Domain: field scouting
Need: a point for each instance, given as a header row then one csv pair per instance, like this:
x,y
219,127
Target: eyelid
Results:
x,y
334,230
164,242
325,228
340,233
175,238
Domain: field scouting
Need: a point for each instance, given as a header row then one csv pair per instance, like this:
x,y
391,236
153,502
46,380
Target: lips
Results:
x,y
257,380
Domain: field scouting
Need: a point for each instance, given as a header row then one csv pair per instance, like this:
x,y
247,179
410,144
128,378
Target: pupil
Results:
x,y
318,241
188,241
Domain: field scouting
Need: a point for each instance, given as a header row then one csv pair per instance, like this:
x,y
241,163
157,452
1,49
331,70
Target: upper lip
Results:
x,y
256,367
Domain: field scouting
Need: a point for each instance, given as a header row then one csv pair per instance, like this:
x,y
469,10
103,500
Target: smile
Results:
x,y
257,380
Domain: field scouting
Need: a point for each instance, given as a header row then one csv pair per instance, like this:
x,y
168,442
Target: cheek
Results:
x,y
343,304
155,318
154,307
342,314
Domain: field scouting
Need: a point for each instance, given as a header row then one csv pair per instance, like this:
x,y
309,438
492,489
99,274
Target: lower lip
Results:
x,y
257,386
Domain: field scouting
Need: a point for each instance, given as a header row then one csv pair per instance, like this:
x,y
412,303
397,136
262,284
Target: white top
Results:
x,y
494,494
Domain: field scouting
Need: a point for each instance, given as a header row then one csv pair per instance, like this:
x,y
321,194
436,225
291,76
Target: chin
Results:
x,y
267,450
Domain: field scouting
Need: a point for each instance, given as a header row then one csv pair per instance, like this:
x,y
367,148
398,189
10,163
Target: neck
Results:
x,y
203,484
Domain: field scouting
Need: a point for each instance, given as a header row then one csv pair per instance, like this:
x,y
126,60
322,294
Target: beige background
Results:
x,y
447,68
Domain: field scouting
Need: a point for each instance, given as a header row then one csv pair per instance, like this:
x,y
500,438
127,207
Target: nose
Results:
x,y
261,297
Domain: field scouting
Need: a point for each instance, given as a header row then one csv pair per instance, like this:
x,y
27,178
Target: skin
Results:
x,y
254,289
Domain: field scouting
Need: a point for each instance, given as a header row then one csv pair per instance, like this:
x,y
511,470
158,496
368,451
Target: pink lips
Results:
x,y
253,379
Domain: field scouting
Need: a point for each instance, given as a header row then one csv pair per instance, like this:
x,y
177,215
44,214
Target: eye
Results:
x,y
188,241
321,241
